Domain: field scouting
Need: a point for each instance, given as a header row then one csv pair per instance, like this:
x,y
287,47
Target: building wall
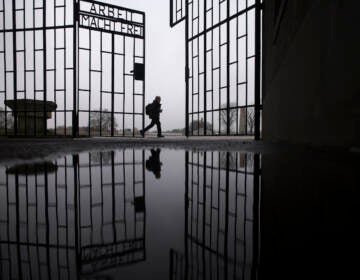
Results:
x,y
308,201
311,58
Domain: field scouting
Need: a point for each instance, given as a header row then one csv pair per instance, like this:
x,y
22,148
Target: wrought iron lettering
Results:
x,y
111,25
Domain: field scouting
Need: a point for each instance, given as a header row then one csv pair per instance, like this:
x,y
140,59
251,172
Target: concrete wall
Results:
x,y
311,63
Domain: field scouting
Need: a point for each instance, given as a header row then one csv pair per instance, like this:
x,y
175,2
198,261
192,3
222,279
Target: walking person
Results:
x,y
153,110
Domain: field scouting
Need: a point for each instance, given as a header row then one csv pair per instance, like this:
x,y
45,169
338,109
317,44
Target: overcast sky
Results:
x,y
165,59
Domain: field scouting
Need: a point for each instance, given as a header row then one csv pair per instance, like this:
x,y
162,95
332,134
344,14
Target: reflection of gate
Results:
x,y
71,68
55,224
223,69
222,217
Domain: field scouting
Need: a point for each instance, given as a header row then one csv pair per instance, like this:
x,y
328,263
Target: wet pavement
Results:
x,y
198,210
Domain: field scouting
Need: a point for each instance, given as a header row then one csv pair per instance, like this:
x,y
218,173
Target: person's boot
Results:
x,y
160,135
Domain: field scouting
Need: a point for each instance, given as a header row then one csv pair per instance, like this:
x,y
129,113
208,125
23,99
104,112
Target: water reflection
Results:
x,y
221,217
79,215
153,163
100,215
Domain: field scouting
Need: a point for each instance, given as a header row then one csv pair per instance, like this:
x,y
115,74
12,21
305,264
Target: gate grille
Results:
x,y
71,68
223,69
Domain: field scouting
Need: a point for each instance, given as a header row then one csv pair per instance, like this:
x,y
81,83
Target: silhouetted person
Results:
x,y
153,163
154,114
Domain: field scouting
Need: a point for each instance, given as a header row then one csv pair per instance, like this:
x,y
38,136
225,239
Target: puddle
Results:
x,y
170,214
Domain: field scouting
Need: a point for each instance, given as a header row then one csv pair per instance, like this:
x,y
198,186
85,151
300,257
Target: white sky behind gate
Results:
x,y
165,59
165,63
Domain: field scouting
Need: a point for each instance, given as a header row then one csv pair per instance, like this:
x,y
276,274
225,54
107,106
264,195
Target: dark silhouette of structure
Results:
x,y
153,163
311,56
222,205
64,220
223,65
76,64
154,115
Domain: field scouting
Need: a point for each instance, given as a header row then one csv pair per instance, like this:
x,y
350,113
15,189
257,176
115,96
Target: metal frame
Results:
x,y
222,201
123,90
41,54
44,233
222,67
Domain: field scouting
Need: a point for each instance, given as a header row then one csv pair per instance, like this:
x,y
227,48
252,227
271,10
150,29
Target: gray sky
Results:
x,y
165,59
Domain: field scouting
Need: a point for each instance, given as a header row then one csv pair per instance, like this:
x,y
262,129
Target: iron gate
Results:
x,y
223,65
71,68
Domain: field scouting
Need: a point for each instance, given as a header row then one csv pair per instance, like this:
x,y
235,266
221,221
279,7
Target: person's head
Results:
x,y
158,98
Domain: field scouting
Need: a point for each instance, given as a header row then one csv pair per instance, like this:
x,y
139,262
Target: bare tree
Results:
x,y
200,126
101,121
232,116
251,120
6,119
101,157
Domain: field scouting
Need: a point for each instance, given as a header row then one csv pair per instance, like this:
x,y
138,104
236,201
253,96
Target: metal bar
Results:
x,y
113,195
222,22
186,73
143,82
112,84
198,65
90,89
237,69
114,6
257,68
55,70
246,68
65,78
228,128
204,215
256,215
38,28
24,38
44,67
75,114
186,206
133,88
171,13
124,87
219,86
14,67
4,53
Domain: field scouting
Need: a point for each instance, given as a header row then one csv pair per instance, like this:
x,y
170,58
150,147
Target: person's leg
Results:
x,y
149,126
158,126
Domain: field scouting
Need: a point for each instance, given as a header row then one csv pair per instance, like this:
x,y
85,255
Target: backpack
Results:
x,y
148,109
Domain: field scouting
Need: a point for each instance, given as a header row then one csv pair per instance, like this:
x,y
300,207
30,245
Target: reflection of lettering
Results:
x,y
90,254
98,258
110,25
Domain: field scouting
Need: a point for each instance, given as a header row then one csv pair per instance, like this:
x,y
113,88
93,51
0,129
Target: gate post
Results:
x,y
75,117
257,67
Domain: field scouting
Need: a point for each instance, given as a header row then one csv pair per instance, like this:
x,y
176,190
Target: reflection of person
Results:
x,y
154,115
153,163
